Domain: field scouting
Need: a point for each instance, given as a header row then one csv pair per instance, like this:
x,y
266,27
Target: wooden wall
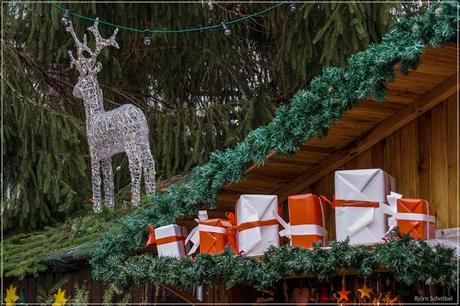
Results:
x,y
30,287
422,156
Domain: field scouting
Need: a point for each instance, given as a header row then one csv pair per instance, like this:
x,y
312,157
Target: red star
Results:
x,y
343,295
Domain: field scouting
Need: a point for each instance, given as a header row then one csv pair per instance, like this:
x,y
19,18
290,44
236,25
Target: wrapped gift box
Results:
x,y
212,235
169,240
307,221
361,212
447,238
256,224
414,216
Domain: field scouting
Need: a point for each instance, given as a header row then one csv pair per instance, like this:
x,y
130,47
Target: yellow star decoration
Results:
x,y
365,292
390,301
343,295
376,300
59,298
11,296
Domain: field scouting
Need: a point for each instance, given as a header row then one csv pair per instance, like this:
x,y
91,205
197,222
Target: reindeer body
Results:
x,y
123,129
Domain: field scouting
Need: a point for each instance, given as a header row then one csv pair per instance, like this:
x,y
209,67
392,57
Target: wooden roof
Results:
x,y
359,128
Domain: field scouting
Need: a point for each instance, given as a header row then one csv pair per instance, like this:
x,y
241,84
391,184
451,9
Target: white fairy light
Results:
x,y
123,129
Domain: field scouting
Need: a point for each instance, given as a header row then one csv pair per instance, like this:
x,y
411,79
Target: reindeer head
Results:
x,y
86,60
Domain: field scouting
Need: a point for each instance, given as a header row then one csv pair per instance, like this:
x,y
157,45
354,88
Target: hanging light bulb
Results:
x,y
66,17
227,30
147,39
291,7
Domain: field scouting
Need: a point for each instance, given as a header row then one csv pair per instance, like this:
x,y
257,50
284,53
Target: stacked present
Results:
x,y
361,206
366,209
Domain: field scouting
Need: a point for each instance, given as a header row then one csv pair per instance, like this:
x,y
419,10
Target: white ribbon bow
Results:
x,y
194,235
395,216
301,229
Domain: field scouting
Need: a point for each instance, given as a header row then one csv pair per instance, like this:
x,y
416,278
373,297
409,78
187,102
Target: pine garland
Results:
x,y
310,113
410,261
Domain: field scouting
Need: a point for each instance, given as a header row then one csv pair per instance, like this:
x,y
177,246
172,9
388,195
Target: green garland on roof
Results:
x,y
309,113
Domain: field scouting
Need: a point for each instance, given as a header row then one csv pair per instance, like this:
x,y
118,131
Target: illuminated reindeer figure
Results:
x,y
123,129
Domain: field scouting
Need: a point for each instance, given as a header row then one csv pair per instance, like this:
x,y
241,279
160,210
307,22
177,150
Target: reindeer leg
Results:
x,y
107,175
148,164
135,168
96,181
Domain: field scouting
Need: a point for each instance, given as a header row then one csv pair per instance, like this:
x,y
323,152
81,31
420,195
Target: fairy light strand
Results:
x,y
210,27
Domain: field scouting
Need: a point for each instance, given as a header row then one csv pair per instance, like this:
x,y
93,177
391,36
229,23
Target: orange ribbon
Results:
x,y
153,240
231,232
252,224
350,203
354,203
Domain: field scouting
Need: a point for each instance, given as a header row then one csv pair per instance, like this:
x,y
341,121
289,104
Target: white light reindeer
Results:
x,y
123,129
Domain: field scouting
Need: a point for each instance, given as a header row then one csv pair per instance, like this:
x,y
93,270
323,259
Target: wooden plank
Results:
x,y
408,153
402,97
410,86
435,69
397,173
365,159
452,159
137,294
390,163
424,77
208,294
378,155
439,178
373,110
424,156
49,282
97,292
382,130
187,297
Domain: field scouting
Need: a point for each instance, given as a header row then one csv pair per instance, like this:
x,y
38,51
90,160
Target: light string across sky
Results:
x,y
224,25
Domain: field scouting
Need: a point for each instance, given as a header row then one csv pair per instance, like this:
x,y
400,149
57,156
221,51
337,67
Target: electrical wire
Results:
x,y
210,27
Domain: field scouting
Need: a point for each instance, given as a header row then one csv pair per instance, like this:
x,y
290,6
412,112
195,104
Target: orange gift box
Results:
x,y
307,210
212,242
213,235
416,217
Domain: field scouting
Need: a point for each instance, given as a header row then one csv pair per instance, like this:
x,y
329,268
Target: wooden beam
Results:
x,y
385,128
189,298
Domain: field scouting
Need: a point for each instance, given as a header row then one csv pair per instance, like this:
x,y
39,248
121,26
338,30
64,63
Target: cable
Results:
x,y
211,27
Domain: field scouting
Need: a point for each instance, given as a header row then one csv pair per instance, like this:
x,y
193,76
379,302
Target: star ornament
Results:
x,y
364,292
59,298
343,295
11,296
390,301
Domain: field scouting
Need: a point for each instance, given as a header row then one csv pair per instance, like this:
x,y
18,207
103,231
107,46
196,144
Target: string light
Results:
x,y
147,39
291,7
227,31
68,14
66,17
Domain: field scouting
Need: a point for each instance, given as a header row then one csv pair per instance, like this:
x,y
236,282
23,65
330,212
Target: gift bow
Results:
x,y
395,216
302,229
230,232
153,240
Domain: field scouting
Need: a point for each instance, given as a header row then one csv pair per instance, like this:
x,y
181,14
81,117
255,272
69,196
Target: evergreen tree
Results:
x,y
201,91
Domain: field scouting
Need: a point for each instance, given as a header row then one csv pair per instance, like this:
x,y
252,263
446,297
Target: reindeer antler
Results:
x,y
101,43
89,65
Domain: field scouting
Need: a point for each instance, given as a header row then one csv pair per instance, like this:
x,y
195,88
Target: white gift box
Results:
x,y
364,221
261,209
448,238
165,247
